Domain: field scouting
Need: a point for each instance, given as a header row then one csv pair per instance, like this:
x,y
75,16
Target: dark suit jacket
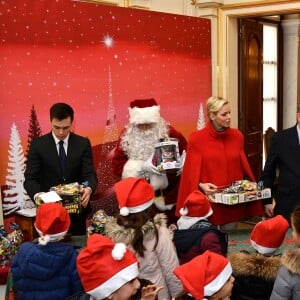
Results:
x,y
285,155
43,166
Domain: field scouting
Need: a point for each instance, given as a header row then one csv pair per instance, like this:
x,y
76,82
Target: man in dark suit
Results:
x,y
44,169
284,156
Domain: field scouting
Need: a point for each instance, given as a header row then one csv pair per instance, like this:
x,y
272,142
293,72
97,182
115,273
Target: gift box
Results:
x,y
167,157
69,196
242,197
71,203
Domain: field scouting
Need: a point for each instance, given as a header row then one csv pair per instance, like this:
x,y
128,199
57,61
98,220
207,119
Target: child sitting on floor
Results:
x,y
206,276
110,271
195,234
287,283
255,273
47,270
146,234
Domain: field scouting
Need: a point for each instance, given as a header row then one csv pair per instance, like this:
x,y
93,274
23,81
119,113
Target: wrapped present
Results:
x,y
70,194
9,243
166,157
98,222
240,191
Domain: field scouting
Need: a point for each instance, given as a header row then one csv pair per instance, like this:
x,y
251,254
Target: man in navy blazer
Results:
x,y
44,170
284,156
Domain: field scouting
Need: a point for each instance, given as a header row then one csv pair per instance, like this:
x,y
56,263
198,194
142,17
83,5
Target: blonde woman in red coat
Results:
x,y
215,158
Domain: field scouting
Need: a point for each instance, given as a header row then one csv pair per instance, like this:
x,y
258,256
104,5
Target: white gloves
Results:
x,y
148,166
182,161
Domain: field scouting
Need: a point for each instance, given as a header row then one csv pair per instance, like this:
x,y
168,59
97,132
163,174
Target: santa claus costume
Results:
x,y
136,146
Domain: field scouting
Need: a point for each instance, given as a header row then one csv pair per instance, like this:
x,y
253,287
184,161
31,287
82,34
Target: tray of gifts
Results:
x,y
240,191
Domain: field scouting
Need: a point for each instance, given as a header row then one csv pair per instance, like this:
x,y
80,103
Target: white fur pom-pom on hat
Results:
x,y
124,211
44,239
118,251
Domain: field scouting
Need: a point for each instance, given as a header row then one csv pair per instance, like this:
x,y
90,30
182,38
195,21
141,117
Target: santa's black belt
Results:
x,y
158,193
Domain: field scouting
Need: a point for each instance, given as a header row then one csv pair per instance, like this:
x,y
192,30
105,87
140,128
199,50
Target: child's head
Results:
x,y
196,207
295,224
268,235
52,222
134,195
106,268
206,276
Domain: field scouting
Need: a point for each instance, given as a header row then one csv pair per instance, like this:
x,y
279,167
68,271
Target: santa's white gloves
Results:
x,y
182,161
148,167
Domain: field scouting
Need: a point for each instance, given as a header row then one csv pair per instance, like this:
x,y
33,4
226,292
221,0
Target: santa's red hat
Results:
x,y
52,222
144,111
104,266
268,235
134,195
196,205
204,275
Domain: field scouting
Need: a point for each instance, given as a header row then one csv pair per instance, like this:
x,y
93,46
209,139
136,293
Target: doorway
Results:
x,y
258,72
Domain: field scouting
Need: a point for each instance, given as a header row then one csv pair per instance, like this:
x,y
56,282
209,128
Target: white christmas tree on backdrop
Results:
x,y
15,196
201,118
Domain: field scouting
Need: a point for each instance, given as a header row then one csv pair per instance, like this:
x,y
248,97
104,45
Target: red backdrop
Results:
x,y
98,58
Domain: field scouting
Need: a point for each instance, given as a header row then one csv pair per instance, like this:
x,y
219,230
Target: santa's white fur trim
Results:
x,y
132,168
183,211
145,115
158,182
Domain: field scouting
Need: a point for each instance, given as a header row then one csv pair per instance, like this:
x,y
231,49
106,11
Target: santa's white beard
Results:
x,y
140,144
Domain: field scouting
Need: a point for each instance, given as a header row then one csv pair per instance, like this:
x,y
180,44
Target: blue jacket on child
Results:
x,y
45,272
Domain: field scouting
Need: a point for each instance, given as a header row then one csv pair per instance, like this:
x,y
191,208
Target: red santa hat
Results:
x,y
204,275
52,222
268,235
134,195
196,205
104,266
144,111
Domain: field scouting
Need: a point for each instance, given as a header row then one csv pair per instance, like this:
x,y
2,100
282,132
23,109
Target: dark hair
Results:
x,y
136,222
61,111
295,218
298,107
144,283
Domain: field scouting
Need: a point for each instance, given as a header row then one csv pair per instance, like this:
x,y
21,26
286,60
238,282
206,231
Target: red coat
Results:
x,y
170,193
218,158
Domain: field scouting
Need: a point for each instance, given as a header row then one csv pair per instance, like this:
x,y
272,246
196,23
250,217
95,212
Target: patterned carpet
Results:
x,y
239,240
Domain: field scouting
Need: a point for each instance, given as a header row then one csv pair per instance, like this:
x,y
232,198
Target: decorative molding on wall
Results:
x,y
207,12
106,2
203,3
141,4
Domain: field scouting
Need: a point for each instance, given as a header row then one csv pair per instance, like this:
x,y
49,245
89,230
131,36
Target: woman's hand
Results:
x,y
208,188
